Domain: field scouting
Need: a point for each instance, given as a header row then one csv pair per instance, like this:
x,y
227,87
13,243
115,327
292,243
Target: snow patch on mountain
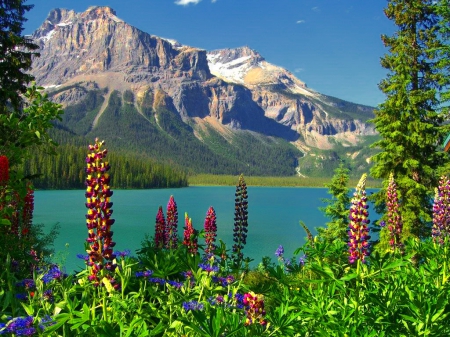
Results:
x,y
233,71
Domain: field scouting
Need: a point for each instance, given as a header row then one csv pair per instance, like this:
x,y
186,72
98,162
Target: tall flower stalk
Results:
x,y
210,232
171,224
101,259
358,232
394,218
160,229
240,222
4,170
441,211
189,236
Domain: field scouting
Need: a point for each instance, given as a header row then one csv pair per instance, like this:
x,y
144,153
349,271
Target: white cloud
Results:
x,y
301,21
316,9
298,70
186,2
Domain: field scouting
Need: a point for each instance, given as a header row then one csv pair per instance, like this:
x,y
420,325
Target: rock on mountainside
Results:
x,y
227,91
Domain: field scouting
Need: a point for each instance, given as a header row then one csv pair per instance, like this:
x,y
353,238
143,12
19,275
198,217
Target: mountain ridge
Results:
x,y
228,90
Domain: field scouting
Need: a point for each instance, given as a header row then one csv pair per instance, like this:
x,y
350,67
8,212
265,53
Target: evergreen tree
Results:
x,y
16,52
409,121
338,206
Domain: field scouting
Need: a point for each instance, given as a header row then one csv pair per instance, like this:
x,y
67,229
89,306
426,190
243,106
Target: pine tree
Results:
x,y
409,121
16,52
338,206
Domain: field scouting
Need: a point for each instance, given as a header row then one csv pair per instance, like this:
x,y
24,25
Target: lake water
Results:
x,y
274,215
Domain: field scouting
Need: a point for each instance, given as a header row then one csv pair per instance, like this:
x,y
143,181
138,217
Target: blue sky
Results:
x,y
334,46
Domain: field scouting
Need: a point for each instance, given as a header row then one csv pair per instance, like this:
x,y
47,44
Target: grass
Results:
x,y
292,181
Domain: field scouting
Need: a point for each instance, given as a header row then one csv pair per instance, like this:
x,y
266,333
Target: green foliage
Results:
x,y
27,130
409,121
338,206
16,52
65,170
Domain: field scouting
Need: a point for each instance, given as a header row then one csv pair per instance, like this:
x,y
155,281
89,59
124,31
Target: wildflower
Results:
x,y
254,308
83,257
54,273
27,283
4,170
225,281
239,300
126,252
20,326
160,229
302,260
27,211
192,305
157,280
395,224
146,273
172,224
279,252
240,221
441,211
210,231
175,284
48,296
209,268
189,236
98,218
358,230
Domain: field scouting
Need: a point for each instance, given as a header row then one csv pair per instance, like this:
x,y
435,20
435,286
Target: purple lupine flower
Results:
x,y
171,224
240,221
358,228
160,229
210,232
98,218
126,252
441,211
193,305
395,223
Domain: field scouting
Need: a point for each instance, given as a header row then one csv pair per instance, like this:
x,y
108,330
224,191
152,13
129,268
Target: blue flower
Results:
x,y
126,252
83,257
208,268
279,252
54,273
192,305
146,273
175,284
302,259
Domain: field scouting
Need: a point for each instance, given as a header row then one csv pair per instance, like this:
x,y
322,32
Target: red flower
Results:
x,y
4,170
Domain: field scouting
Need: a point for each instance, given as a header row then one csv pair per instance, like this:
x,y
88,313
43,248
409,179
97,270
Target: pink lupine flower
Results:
x,y
189,237
358,228
395,223
171,224
160,229
441,211
210,231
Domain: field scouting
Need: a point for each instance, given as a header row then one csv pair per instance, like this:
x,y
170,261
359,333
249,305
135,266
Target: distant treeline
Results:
x,y
293,181
66,170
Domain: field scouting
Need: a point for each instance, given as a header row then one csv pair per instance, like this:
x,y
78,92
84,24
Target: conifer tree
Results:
x,y
410,121
338,206
16,52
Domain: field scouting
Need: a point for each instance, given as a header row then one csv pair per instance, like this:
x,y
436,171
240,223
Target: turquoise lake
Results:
x,y
274,215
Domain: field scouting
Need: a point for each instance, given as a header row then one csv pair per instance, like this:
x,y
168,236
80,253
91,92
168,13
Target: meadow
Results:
x,y
194,285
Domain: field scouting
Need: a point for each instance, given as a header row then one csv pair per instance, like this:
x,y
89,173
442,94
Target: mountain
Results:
x,y
222,111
